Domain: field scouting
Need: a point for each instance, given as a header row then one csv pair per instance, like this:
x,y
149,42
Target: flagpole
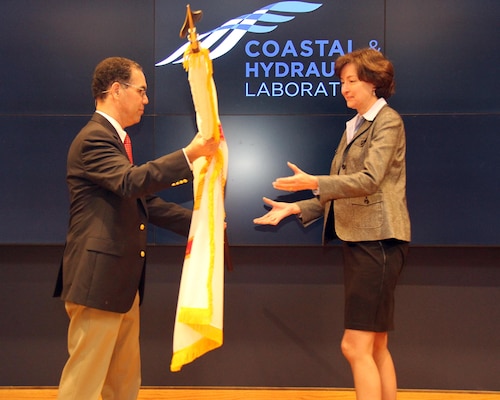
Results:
x,y
189,30
198,326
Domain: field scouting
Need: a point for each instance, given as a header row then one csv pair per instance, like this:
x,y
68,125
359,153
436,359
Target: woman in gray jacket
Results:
x,y
363,202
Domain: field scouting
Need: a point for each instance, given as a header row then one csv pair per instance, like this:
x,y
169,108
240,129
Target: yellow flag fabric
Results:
x,y
199,318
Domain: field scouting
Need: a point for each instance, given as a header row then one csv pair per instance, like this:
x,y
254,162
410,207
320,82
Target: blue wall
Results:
x,y
283,300
282,319
445,54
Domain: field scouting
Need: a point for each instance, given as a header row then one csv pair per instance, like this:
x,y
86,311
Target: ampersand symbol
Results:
x,y
373,45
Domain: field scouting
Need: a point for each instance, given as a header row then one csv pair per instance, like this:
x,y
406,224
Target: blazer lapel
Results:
x,y
106,124
362,129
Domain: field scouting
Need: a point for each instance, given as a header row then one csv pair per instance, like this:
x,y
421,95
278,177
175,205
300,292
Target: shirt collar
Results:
x,y
374,110
115,124
353,124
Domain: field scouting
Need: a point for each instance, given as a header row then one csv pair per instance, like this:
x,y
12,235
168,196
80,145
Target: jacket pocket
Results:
x,y
105,246
367,211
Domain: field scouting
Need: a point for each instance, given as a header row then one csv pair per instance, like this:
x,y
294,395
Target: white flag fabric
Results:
x,y
199,318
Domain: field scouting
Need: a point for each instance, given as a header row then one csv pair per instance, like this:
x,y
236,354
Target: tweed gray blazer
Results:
x,y
367,184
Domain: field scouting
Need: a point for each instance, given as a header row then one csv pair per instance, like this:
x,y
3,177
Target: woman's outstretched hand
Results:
x,y
298,181
279,211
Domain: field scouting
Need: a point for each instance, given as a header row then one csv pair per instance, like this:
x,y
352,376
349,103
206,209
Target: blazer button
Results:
x,y
142,227
143,254
343,166
367,201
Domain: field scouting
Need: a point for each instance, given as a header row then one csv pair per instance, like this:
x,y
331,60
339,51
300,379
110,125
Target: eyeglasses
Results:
x,y
140,90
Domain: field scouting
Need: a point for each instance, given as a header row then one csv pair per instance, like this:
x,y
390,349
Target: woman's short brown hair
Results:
x,y
372,67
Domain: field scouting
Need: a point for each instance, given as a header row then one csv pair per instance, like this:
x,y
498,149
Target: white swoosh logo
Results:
x,y
226,36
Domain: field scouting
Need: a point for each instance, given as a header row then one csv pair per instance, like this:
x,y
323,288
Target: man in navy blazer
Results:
x,y
102,271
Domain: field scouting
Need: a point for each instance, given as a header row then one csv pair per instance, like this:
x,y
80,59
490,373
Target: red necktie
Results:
x,y
128,148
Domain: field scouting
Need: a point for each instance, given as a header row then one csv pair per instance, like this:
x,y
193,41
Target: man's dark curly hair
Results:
x,y
110,70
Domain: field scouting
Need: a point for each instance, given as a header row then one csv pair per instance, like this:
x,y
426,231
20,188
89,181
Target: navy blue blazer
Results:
x,y
111,202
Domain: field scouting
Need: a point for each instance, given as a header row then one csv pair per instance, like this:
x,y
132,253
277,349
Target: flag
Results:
x,y
198,325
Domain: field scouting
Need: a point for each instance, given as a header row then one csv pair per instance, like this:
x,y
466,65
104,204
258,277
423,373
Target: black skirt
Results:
x,y
371,271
